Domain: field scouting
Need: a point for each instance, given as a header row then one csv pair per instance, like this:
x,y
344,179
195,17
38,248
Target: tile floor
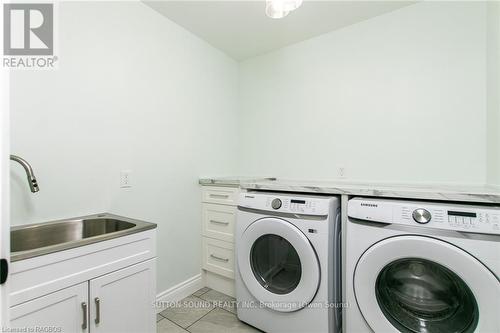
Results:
x,y
205,311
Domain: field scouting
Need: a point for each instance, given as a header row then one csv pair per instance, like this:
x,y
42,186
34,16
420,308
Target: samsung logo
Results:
x,y
369,205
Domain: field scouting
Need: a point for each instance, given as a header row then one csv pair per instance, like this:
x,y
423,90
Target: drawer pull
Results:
x,y
219,258
97,319
219,222
219,196
84,310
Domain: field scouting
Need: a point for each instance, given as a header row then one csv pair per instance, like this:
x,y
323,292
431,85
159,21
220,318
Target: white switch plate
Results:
x,y
125,178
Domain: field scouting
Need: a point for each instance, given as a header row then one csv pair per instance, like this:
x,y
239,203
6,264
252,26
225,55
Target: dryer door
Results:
x,y
278,265
422,284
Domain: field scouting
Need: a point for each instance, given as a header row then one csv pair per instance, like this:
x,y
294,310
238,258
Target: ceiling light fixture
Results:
x,y
280,8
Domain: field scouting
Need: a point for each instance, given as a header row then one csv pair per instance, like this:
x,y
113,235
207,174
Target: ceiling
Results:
x,y
242,30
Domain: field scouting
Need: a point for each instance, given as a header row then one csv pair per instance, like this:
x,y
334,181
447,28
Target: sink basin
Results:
x,y
37,239
56,233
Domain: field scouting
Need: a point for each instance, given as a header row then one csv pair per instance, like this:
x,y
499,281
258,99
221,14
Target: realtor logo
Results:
x,y
28,29
28,35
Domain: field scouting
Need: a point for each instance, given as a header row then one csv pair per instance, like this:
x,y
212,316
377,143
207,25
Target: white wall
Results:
x,y
400,97
493,93
185,125
61,122
133,91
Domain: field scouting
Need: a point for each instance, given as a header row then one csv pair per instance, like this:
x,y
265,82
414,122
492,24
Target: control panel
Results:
x,y
466,218
293,204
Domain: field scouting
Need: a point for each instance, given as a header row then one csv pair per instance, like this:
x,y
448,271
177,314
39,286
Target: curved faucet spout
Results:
x,y
32,182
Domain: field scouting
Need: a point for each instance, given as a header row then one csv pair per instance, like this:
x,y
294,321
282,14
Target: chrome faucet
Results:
x,y
29,172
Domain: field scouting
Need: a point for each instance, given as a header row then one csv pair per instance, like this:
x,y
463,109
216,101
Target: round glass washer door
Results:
x,y
278,265
275,264
422,284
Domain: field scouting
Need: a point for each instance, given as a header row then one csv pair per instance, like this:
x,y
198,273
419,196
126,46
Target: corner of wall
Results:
x,y
493,93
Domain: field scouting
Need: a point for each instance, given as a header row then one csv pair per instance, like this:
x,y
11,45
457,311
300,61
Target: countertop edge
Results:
x,y
231,181
428,193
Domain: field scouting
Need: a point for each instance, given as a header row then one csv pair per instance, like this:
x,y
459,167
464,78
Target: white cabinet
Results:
x,y
65,310
122,301
219,219
119,302
108,286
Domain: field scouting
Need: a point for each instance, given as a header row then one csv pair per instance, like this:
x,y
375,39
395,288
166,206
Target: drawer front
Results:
x,y
218,257
219,221
220,195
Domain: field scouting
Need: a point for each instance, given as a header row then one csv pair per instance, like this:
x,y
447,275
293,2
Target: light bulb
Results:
x,y
280,8
275,9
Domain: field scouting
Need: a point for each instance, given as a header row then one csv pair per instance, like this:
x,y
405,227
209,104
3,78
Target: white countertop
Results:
x,y
445,192
464,193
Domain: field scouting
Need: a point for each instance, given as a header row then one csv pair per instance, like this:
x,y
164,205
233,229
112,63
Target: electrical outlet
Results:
x,y
125,178
342,172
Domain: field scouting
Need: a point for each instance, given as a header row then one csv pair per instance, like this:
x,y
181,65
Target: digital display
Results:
x,y
302,202
465,214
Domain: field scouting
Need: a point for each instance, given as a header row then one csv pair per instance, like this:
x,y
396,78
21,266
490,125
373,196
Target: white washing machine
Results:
x,y
422,267
288,262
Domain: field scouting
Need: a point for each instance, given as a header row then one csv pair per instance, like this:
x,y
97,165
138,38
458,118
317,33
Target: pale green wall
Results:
x,y
399,98
493,93
133,91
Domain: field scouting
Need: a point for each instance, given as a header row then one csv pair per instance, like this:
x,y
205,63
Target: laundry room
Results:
x,y
250,166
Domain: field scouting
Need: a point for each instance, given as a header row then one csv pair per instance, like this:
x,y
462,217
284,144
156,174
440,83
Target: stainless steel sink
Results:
x,y
36,239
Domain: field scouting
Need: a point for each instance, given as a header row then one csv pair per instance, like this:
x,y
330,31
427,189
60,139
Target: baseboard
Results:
x,y
180,291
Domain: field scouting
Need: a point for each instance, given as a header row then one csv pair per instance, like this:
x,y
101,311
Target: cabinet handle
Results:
x,y
84,310
219,258
219,222
97,310
220,196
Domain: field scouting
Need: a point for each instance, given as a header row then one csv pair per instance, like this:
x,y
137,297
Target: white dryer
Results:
x,y
422,267
288,262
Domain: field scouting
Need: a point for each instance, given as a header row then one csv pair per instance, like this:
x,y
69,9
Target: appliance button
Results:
x,y
421,215
276,203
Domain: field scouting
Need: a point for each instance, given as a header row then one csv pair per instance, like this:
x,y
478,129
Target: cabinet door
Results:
x,y
123,301
65,310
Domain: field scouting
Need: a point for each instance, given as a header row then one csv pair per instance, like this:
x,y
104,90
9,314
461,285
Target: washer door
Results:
x,y
422,284
278,265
